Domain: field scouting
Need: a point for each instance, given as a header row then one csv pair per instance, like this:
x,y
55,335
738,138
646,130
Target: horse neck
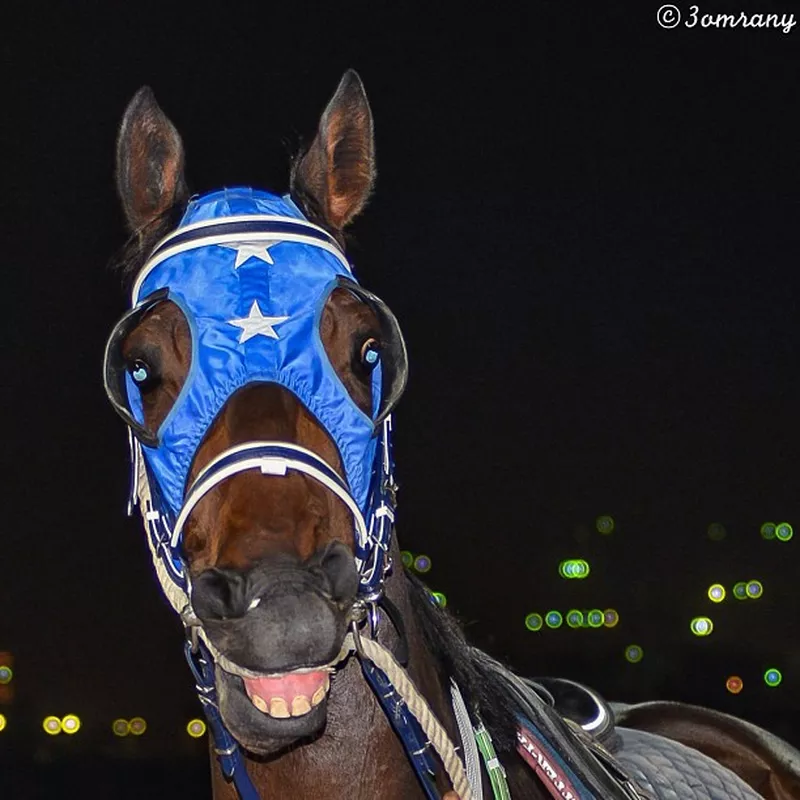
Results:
x,y
358,755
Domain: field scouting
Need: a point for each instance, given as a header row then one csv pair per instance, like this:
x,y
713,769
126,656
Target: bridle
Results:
x,y
165,512
193,267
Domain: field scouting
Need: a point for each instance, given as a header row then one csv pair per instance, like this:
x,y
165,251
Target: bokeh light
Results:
x,y
740,590
553,619
610,618
422,564
6,675
734,684
716,532
70,724
575,618
407,558
768,530
52,725
121,727
773,677
573,568
594,618
784,531
534,622
716,593
701,626
633,653
604,524
3,722
196,728
137,726
754,589
440,598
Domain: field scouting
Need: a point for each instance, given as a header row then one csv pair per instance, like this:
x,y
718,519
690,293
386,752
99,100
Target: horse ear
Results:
x,y
149,161
335,176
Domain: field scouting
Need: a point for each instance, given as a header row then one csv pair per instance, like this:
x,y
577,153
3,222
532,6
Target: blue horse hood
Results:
x,y
252,284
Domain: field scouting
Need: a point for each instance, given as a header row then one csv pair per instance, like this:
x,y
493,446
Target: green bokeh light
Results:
x,y
754,589
784,531
6,675
594,619
773,677
604,524
440,598
768,530
716,593
701,626
553,619
740,590
575,618
534,622
573,568
407,558
633,653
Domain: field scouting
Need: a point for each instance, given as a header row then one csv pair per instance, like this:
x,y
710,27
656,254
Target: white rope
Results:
x,y
418,706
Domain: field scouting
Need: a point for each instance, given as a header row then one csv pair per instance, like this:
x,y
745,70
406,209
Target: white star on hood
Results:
x,y
256,324
246,250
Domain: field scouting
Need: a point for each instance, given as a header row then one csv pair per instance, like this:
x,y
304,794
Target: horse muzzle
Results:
x,y
278,627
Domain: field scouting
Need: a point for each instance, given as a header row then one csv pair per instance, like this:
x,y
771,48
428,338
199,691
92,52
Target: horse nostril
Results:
x,y
339,570
219,594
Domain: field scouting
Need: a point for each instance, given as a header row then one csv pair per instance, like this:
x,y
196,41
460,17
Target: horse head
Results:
x,y
257,377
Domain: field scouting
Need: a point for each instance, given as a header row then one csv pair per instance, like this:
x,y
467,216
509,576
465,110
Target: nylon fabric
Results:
x,y
213,292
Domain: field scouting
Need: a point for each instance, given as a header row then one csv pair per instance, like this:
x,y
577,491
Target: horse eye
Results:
x,y
370,354
141,373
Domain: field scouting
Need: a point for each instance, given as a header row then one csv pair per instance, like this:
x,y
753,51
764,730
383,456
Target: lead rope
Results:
x,y
417,705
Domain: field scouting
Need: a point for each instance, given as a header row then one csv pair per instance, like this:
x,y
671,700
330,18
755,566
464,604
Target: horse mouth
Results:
x,y
269,712
288,694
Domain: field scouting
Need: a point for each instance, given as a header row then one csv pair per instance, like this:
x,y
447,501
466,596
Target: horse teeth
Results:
x,y
260,703
300,706
318,696
278,708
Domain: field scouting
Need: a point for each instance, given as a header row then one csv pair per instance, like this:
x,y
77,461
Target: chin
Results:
x,y
247,715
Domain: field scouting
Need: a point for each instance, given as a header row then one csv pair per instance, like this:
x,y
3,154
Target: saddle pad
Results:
x,y
671,771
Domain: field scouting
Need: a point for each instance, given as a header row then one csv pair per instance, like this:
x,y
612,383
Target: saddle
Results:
x,y
567,733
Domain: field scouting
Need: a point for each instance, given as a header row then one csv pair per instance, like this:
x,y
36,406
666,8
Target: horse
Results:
x,y
258,380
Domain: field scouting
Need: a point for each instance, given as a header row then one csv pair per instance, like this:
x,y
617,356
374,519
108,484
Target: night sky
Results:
x,y
587,226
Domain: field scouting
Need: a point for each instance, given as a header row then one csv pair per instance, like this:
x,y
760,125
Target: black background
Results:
x,y
587,226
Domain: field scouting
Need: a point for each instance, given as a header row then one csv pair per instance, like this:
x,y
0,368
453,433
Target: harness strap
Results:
x,y
468,743
418,706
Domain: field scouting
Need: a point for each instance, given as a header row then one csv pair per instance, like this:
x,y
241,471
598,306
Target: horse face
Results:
x,y
270,558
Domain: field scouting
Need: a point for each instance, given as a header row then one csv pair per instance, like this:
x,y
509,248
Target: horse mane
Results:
x,y
477,674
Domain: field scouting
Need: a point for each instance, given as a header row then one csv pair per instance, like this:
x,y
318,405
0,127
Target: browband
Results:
x,y
239,230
